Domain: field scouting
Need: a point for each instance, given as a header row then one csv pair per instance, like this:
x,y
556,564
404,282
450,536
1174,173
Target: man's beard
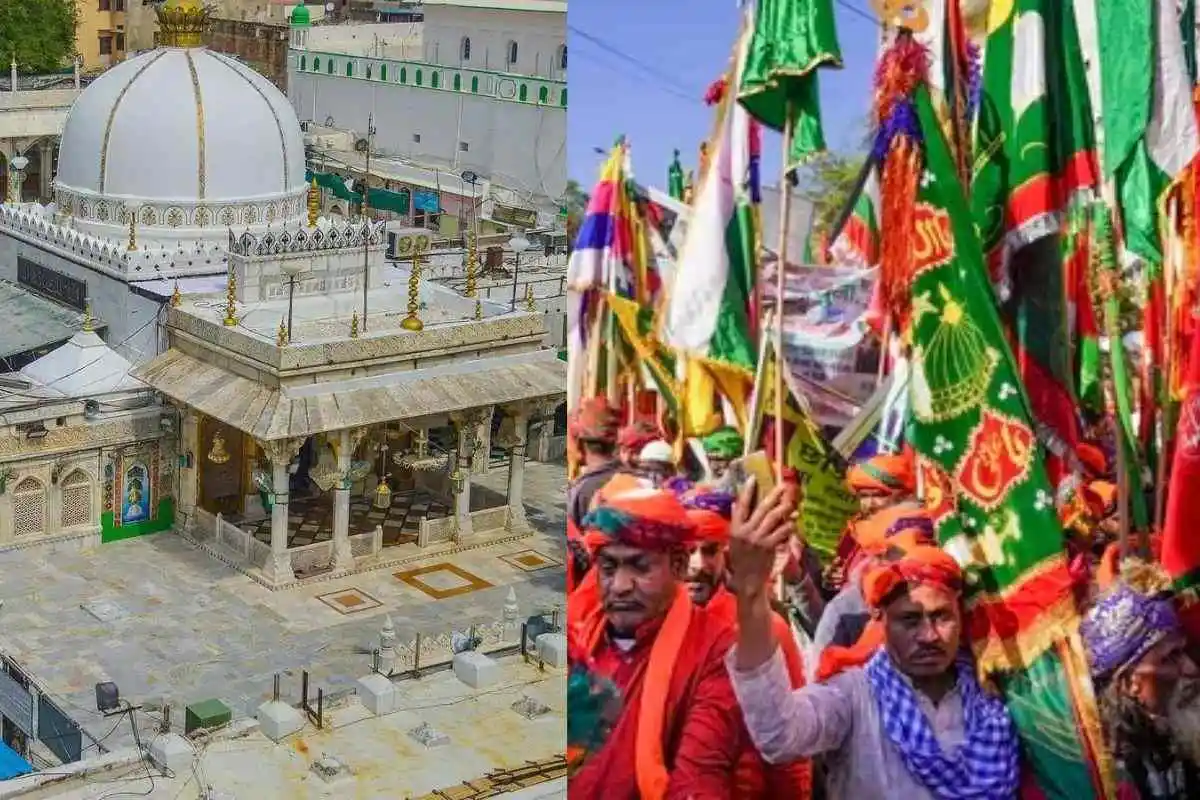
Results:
x,y
702,585
1183,720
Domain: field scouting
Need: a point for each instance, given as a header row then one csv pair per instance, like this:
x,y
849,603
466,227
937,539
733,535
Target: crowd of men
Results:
x,y
714,656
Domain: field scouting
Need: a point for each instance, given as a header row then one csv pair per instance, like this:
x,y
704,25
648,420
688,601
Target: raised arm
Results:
x,y
784,724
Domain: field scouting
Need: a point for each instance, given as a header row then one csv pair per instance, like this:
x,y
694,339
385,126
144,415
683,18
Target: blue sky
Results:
x,y
680,47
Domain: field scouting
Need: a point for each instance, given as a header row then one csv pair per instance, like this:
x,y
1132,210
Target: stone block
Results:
x,y
278,720
476,670
378,694
170,751
552,647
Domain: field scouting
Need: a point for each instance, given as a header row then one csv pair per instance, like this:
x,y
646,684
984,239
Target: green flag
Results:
x,y
1125,49
790,40
982,473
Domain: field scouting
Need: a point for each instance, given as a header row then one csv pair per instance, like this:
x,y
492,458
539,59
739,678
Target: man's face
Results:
x,y
870,503
1166,682
636,585
706,571
923,628
656,471
719,466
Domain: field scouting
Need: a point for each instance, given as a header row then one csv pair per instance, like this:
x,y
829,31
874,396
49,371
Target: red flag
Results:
x,y
1181,542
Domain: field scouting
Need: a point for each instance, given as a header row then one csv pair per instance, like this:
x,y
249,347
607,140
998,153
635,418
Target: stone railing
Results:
x,y
437,531
311,558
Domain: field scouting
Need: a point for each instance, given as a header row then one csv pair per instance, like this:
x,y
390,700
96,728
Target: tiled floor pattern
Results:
x,y
443,580
349,601
311,520
530,560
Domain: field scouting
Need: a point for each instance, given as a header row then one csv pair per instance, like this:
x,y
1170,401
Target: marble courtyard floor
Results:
x,y
179,626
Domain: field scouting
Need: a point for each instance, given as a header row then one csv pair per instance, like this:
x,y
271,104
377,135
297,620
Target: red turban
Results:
x,y
873,533
638,434
594,420
710,526
923,564
885,474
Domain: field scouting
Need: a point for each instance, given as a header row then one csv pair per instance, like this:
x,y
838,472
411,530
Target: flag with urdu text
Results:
x,y
790,40
707,314
980,468
1035,151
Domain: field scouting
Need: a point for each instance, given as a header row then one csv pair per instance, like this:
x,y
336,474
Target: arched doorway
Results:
x,y
31,178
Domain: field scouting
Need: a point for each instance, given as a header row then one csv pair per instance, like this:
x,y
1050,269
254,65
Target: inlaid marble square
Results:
x,y
530,560
349,601
440,581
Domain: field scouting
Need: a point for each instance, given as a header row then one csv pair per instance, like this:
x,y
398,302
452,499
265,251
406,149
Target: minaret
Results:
x,y
301,21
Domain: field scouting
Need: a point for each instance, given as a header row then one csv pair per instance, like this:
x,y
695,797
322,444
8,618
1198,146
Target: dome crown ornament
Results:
x,y
181,23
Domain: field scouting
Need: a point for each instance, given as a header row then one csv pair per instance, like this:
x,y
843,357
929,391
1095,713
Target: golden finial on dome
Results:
x,y
472,263
478,308
176,297
132,231
181,23
230,320
314,203
88,325
354,326
530,305
281,337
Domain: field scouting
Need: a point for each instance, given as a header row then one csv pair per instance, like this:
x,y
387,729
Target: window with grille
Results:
x,y
512,53
466,48
76,500
29,507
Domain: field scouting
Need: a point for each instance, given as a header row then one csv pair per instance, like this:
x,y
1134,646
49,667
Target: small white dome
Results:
x,y
188,139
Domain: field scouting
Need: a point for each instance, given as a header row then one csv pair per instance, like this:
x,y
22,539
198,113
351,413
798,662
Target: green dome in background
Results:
x,y
300,15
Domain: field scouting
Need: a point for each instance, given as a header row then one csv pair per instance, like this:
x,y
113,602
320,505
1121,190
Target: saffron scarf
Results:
x,y
649,761
985,767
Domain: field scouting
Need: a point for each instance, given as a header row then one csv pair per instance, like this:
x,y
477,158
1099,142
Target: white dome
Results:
x,y
188,138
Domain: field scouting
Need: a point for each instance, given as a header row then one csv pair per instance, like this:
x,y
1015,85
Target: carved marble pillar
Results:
x,y
543,413
189,432
514,434
46,173
7,481
347,441
466,423
278,568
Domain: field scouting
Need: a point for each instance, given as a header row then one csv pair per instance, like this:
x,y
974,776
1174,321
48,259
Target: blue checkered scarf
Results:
x,y
985,767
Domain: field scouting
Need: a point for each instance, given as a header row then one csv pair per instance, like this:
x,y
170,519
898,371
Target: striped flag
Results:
x,y
857,245
707,315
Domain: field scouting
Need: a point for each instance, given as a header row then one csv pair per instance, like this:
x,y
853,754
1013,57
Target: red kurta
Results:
x,y
755,777
704,735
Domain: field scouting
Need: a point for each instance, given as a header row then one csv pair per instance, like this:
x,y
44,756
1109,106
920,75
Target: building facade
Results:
x,y
483,90
100,38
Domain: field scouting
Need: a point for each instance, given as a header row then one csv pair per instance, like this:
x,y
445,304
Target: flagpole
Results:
x,y
785,213
1172,241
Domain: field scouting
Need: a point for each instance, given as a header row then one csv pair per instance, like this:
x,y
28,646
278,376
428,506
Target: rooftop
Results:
x,y
32,321
551,6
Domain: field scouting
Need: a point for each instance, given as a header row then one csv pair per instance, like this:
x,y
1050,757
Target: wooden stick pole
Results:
x,y
1174,246
785,214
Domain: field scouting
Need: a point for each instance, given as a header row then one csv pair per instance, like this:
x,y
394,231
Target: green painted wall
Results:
x,y
109,532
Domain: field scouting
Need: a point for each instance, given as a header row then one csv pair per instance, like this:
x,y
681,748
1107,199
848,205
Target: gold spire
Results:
x,y
181,23
529,304
314,203
132,231
354,326
478,308
281,338
230,320
176,296
472,263
412,322
88,325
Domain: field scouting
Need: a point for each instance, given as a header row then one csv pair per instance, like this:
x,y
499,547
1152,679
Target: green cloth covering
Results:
x,y
381,199
724,443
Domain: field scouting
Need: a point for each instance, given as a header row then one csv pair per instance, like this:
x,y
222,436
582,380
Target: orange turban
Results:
x,y
1101,497
646,518
886,474
873,533
922,564
1092,458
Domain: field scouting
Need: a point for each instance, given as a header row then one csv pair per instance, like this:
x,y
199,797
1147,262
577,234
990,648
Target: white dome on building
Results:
x,y
192,141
